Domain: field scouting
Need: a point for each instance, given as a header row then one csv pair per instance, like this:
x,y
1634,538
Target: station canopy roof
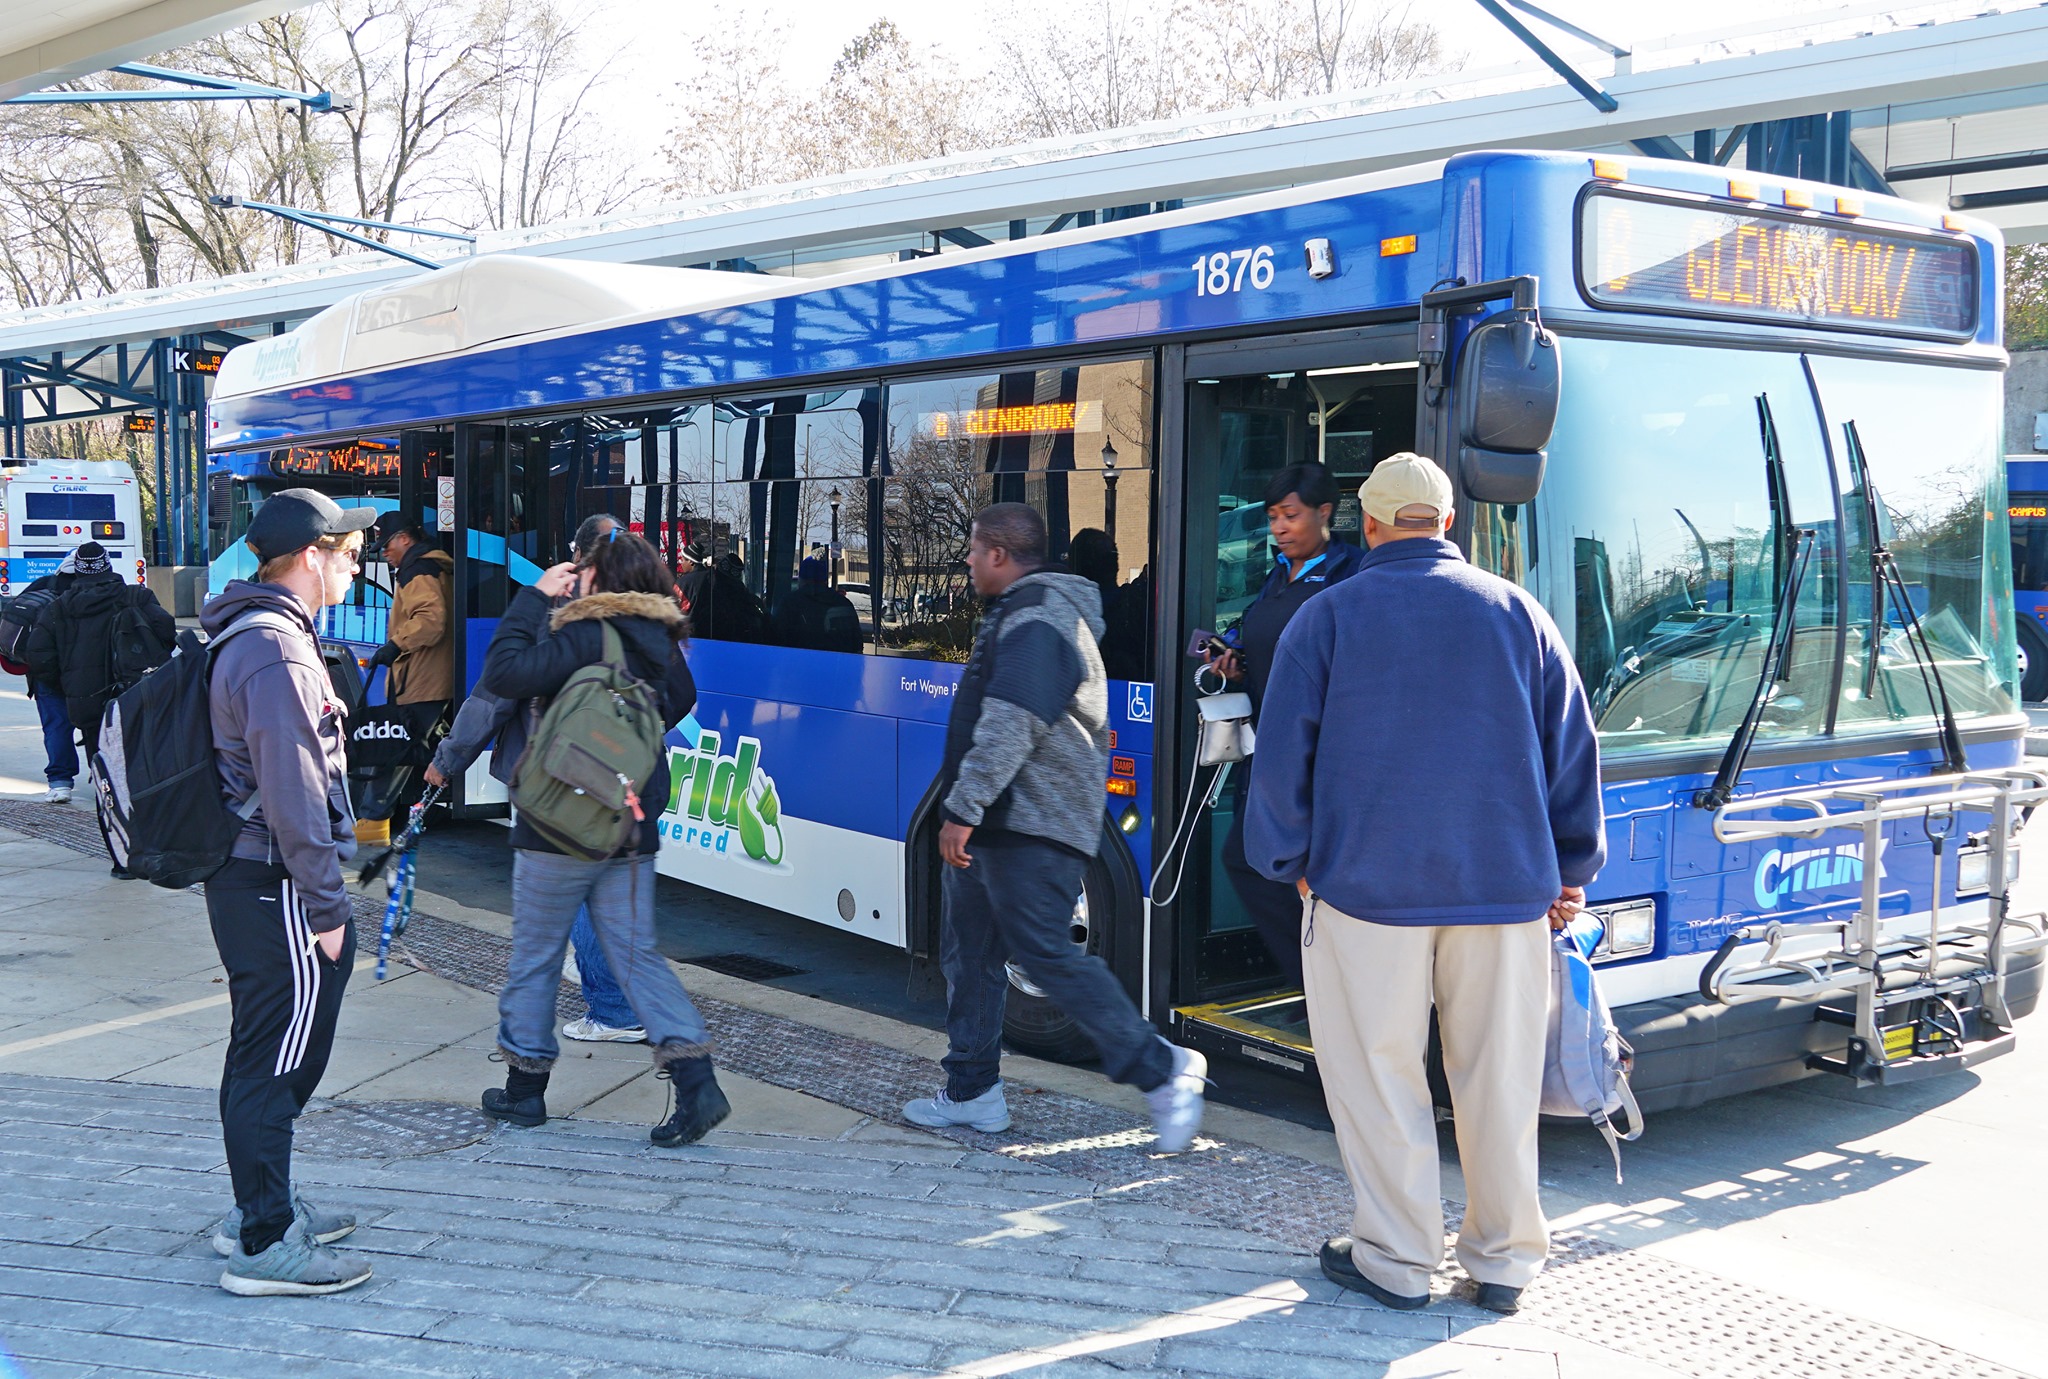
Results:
x,y
1925,82
44,42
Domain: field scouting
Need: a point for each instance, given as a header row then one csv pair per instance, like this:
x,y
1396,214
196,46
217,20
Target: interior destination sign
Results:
x,y
1711,260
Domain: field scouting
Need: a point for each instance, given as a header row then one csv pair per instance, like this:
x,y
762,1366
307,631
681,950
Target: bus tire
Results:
x,y
2033,643
1032,1024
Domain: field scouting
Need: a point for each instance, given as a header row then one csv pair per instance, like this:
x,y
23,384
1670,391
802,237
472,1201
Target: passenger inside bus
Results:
x,y
814,615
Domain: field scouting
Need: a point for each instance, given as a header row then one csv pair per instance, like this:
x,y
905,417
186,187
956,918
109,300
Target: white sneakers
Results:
x,y
987,1112
1177,1102
589,1031
57,794
1176,1105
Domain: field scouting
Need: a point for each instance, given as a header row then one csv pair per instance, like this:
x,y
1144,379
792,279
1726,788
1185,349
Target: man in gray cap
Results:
x,y
279,911
1430,784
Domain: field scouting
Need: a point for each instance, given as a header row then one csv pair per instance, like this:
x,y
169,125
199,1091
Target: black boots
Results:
x,y
699,1104
521,1100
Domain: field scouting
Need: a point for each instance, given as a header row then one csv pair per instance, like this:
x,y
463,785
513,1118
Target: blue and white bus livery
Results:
x,y
1696,414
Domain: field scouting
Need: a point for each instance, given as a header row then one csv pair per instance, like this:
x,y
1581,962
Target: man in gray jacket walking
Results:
x,y
1027,748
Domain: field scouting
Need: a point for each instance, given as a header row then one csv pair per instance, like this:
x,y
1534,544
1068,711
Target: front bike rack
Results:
x,y
1949,982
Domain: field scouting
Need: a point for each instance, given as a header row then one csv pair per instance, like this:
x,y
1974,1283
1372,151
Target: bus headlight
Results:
x,y
1631,929
1973,870
1128,821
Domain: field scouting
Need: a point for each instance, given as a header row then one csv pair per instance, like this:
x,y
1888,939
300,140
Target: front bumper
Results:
x,y
1690,1050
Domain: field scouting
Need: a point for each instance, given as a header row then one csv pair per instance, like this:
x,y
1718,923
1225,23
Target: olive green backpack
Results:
x,y
578,780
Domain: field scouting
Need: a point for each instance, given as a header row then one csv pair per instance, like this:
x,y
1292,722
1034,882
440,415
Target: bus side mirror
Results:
x,y
1509,378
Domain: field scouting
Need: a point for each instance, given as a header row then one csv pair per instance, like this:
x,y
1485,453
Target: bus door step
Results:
x,y
1268,1031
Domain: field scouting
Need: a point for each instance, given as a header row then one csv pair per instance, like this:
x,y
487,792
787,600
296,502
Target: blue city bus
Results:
x,y
2026,482
1679,404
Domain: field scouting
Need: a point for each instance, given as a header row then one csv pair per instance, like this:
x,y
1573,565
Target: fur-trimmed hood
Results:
x,y
665,611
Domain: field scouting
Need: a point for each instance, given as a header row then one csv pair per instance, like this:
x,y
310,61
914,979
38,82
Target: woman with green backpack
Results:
x,y
588,789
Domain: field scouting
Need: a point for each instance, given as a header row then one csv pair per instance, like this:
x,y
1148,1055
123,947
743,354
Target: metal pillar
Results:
x,y
13,426
160,536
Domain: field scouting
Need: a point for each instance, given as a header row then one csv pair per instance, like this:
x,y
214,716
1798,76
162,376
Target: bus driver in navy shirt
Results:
x,y
1300,501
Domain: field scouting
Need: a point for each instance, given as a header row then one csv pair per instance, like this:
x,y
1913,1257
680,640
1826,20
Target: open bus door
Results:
x,y
1347,399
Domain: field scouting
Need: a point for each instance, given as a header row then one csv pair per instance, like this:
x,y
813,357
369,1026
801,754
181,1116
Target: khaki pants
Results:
x,y
1370,987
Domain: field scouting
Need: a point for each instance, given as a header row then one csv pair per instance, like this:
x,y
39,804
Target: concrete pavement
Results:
x,y
814,1236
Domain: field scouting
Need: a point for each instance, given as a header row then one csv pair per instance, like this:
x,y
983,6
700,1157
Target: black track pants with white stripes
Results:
x,y
286,996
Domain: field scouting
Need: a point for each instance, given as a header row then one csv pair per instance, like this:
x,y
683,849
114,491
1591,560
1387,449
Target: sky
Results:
x,y
818,29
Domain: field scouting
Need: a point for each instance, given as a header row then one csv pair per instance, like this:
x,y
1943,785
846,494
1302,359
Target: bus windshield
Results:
x,y
1668,525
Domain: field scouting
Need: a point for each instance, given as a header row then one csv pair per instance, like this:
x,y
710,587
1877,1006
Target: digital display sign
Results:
x,y
364,460
2029,510
1706,259
1034,419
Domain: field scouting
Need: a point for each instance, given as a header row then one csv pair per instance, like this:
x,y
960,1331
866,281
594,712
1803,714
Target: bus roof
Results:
x,y
43,470
503,334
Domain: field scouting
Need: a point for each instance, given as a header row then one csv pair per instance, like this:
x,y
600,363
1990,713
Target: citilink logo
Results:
x,y
713,796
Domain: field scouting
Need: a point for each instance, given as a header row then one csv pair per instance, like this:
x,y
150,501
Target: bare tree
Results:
x,y
544,153
1129,71
734,114
886,102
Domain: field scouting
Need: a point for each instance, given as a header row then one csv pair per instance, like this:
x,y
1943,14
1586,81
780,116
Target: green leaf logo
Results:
x,y
760,814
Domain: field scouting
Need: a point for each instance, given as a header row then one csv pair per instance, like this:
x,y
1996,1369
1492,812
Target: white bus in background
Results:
x,y
49,508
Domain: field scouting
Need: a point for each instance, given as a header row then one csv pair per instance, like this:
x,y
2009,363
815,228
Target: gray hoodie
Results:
x,y
1027,743
278,727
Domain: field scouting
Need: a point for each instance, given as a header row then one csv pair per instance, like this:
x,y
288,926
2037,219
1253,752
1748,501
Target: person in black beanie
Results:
x,y
96,639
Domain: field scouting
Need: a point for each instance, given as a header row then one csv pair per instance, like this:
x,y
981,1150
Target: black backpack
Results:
x,y
159,788
18,619
133,648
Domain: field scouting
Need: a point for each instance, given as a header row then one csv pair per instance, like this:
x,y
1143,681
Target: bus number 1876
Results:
x,y
1227,270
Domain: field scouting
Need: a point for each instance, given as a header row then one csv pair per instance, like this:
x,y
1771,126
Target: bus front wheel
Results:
x,y
2033,660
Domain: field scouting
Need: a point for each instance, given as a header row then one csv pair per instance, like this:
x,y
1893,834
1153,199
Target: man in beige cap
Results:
x,y
1430,783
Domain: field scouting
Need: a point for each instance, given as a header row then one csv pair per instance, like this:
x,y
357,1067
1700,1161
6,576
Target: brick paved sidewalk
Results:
x,y
578,1249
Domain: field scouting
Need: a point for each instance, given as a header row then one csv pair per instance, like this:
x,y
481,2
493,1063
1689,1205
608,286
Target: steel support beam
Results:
x,y
328,223
204,88
1584,85
1964,167
1984,201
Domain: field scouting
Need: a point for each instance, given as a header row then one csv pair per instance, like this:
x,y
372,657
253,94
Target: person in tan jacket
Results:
x,y
420,642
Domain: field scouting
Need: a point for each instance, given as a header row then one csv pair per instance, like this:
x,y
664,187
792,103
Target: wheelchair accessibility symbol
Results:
x,y
1139,706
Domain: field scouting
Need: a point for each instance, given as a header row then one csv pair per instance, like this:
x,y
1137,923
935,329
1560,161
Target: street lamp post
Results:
x,y
1109,478
832,548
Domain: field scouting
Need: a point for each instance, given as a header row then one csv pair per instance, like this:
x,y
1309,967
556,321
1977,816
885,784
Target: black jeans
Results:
x,y
286,997
1017,902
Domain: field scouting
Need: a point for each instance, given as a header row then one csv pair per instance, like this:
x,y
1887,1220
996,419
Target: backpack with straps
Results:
x,y
578,782
133,648
18,619
1586,1062
158,783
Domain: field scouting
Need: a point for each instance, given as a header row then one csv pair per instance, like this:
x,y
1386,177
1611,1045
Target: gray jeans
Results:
x,y
547,891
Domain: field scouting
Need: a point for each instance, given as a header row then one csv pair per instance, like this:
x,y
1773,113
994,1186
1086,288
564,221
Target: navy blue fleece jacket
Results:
x,y
1426,754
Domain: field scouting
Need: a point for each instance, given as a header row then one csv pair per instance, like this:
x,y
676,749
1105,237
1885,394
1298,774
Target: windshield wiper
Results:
x,y
1794,550
1723,788
1885,579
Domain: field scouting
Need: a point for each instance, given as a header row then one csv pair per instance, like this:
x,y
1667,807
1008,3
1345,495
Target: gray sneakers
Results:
x,y
296,1266
326,1226
1176,1103
987,1112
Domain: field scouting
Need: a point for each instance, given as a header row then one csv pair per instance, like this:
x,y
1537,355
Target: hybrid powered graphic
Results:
x,y
713,796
